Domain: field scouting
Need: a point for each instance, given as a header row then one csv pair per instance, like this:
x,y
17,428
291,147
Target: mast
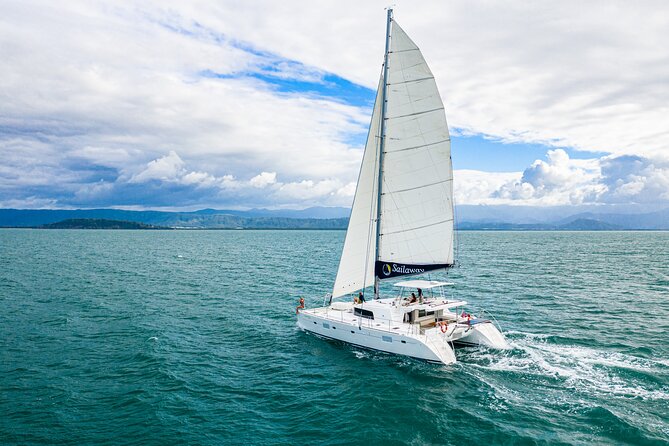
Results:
x,y
384,102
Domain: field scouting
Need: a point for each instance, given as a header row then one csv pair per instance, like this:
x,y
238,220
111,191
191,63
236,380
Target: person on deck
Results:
x,y
300,306
420,295
361,298
413,298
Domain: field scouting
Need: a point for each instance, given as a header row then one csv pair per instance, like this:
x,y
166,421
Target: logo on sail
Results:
x,y
389,269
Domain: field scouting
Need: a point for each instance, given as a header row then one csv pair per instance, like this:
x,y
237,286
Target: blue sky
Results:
x,y
474,152
166,105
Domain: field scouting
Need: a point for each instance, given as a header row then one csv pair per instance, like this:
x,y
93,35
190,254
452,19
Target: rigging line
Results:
x,y
419,227
371,227
417,113
410,81
417,147
413,66
402,51
384,134
455,242
419,187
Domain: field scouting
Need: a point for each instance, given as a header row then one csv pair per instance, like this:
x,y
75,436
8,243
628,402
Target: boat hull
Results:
x,y
415,346
485,334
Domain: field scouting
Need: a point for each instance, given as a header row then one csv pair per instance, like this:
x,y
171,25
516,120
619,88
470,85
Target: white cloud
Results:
x,y
635,179
561,180
263,189
476,187
264,179
167,168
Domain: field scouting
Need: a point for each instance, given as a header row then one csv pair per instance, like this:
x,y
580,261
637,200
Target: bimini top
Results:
x,y
422,284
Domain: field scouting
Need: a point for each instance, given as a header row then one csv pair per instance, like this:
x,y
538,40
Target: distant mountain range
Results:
x,y
98,223
469,218
581,224
311,218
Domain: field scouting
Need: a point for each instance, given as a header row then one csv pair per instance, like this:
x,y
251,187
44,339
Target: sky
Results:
x,y
235,105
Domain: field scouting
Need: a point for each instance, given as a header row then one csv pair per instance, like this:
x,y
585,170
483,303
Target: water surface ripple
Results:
x,y
189,337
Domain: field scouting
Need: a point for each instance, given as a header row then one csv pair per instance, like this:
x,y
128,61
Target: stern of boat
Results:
x,y
485,333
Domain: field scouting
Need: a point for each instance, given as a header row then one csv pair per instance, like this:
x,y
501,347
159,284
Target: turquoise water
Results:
x,y
189,337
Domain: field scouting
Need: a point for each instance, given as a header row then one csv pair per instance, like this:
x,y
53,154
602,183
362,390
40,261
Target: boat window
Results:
x,y
422,313
387,338
363,313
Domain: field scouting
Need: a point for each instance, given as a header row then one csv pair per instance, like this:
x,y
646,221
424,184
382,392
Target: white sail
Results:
x,y
416,212
417,191
356,266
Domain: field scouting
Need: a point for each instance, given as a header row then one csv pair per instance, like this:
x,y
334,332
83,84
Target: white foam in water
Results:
x,y
580,368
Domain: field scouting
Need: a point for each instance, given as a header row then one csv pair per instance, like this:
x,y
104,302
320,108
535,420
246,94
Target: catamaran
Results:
x,y
402,224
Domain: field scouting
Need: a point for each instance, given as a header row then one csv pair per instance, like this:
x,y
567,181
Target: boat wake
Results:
x,y
574,367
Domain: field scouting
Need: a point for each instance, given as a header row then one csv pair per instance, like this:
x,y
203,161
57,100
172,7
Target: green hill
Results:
x,y
98,223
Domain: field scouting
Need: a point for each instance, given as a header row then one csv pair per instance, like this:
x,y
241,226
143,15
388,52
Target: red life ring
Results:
x,y
444,326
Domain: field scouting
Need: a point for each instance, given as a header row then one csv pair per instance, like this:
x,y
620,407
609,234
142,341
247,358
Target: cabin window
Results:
x,y
387,338
423,313
363,313
326,325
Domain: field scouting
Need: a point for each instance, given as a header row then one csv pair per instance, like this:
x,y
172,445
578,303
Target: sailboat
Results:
x,y
402,224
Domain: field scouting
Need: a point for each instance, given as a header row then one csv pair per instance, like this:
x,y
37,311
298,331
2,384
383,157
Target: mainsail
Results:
x,y
416,197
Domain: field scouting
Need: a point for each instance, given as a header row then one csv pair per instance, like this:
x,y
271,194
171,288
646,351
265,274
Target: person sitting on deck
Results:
x,y
413,298
420,295
300,306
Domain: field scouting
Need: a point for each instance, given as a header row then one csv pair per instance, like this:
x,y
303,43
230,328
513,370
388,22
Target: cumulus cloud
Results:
x,y
177,183
560,180
264,179
167,168
635,178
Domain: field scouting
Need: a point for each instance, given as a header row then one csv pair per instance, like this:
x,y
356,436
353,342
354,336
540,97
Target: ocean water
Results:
x,y
189,337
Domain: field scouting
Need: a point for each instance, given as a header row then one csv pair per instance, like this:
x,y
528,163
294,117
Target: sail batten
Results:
x,y
416,113
420,187
418,227
419,147
411,164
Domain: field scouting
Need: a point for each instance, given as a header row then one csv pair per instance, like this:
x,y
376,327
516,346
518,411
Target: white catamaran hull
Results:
x,y
423,347
484,334
386,328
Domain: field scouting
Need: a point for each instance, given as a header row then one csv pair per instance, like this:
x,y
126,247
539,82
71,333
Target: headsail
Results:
x,y
356,266
416,207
